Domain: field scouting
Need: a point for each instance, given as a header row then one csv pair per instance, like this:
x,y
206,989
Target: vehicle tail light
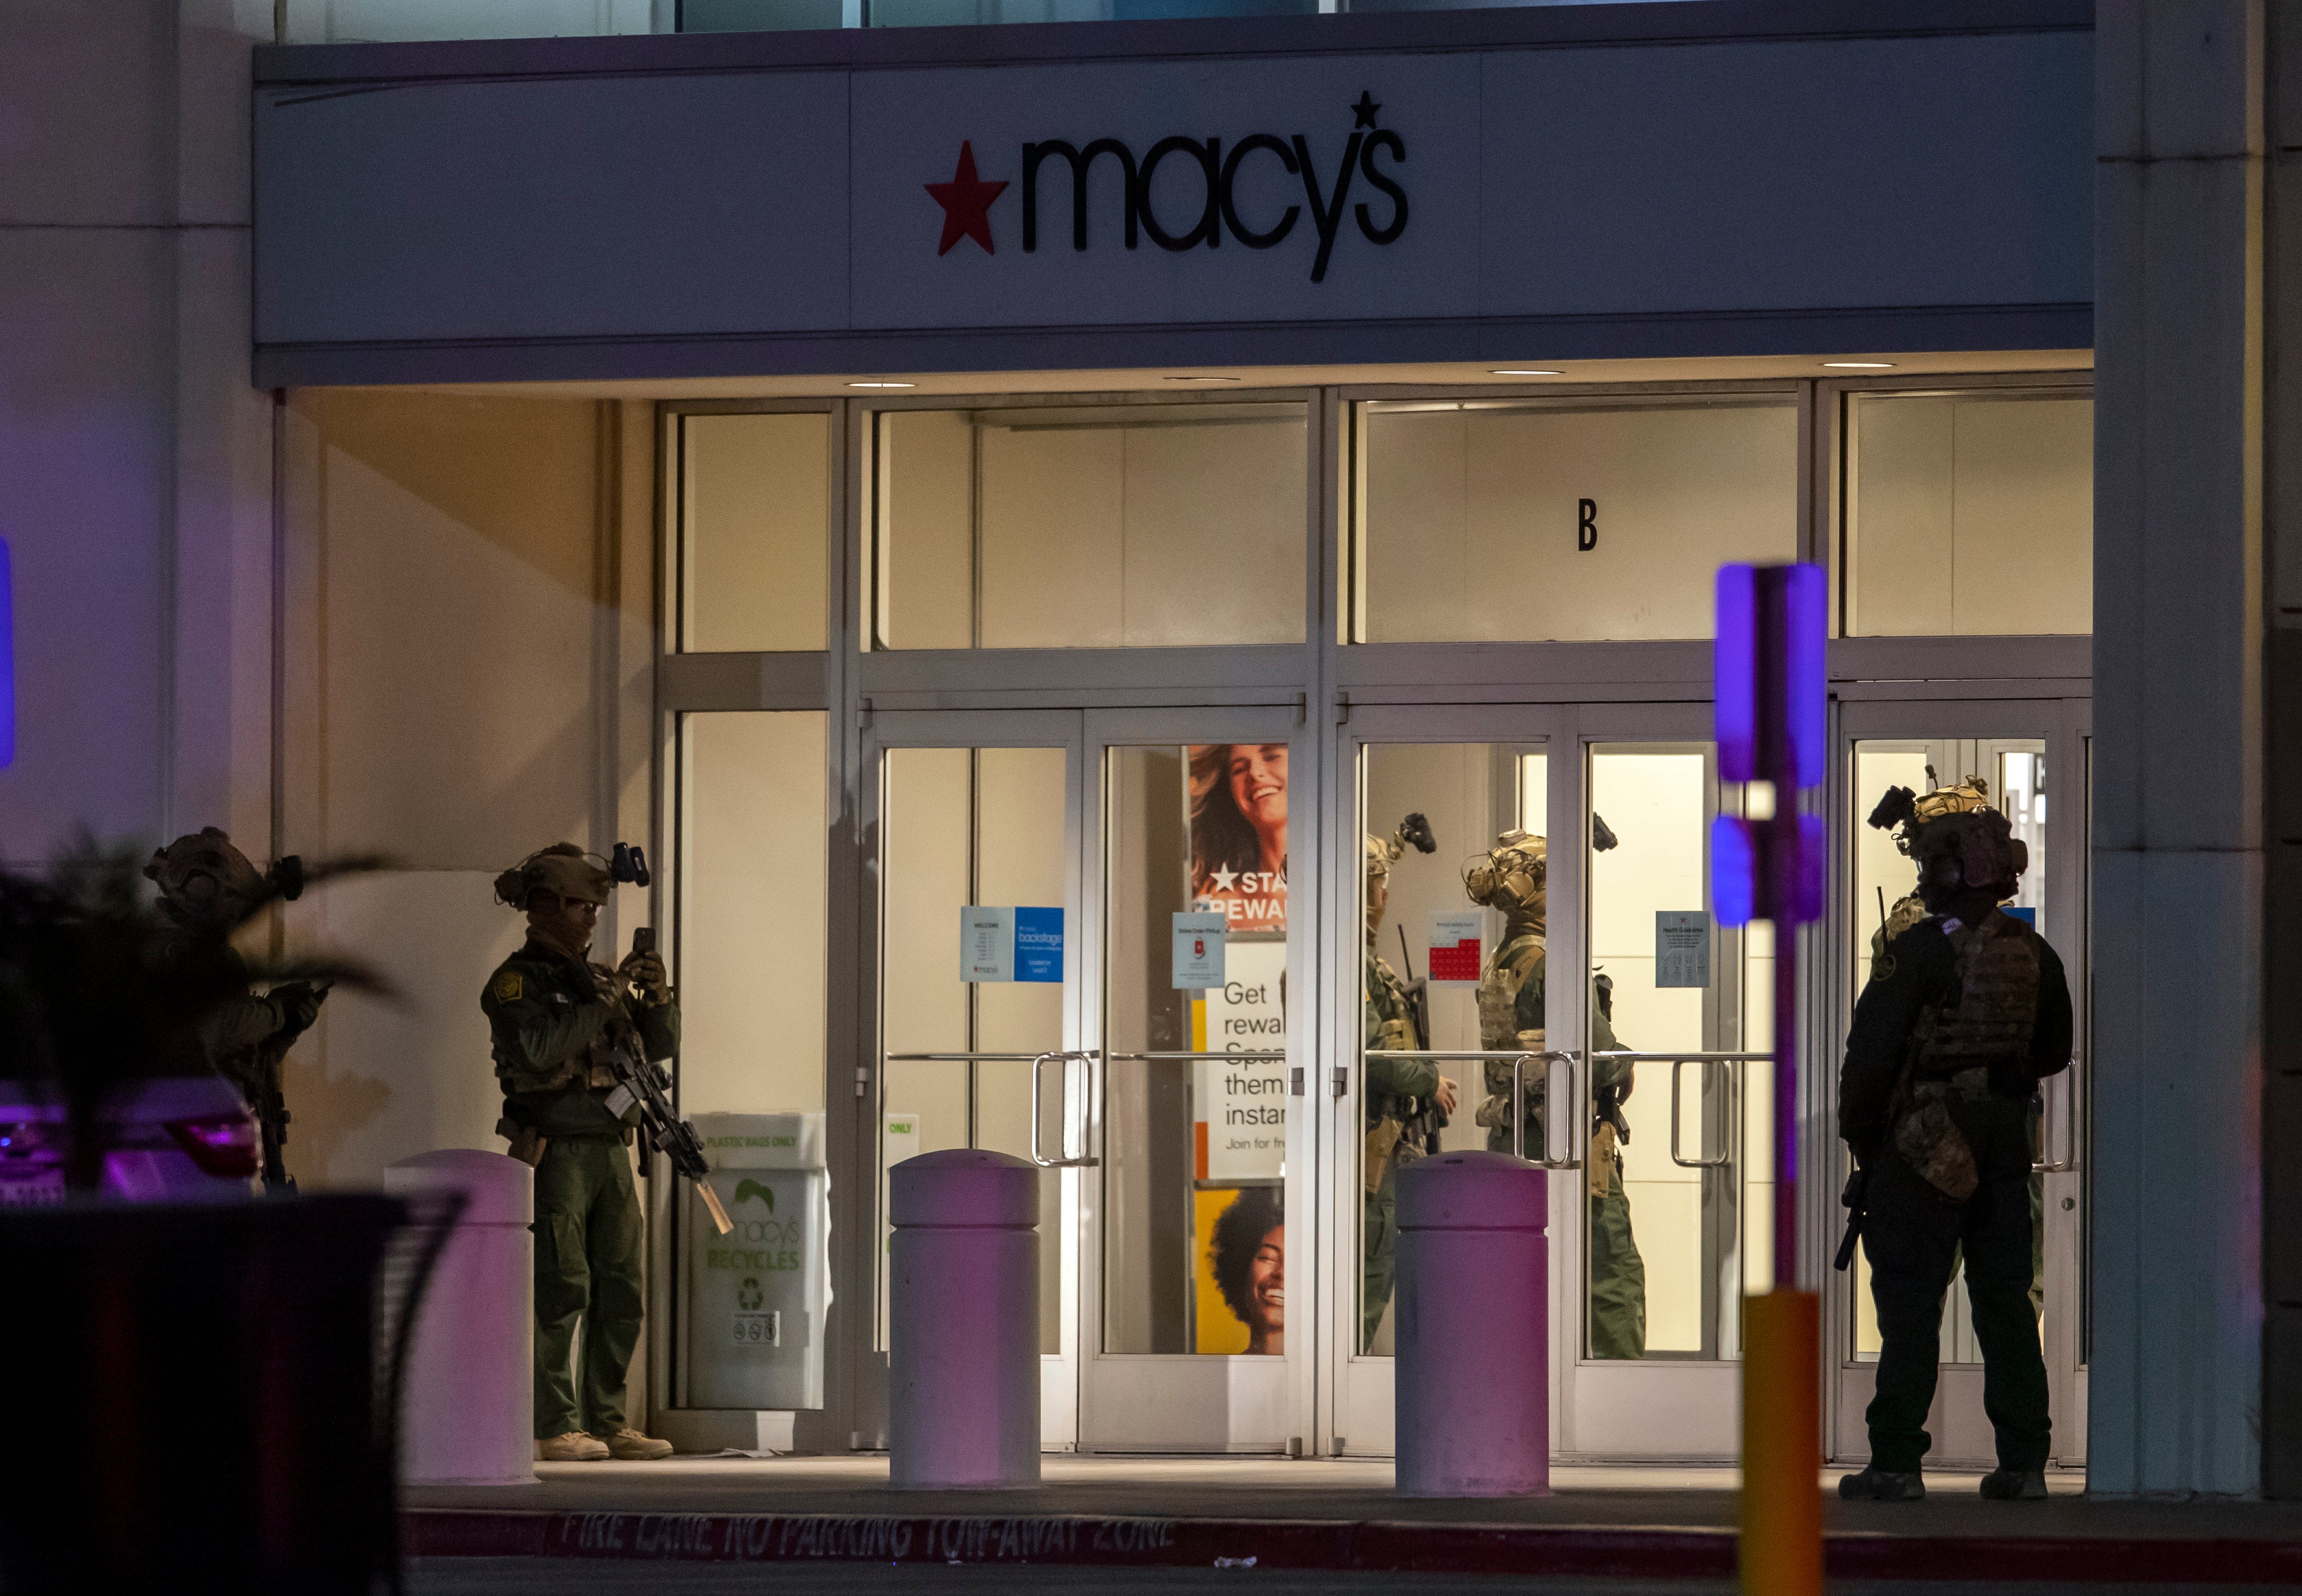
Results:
x,y
222,1145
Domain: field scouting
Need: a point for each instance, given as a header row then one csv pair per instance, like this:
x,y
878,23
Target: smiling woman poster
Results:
x,y
1239,832
1242,1271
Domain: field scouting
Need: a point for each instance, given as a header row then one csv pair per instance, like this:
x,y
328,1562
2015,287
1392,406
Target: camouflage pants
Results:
x,y
587,1268
1618,1276
1379,1245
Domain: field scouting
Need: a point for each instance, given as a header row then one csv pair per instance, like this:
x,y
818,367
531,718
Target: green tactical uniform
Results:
x,y
1951,1035
556,1021
1395,1091
1511,998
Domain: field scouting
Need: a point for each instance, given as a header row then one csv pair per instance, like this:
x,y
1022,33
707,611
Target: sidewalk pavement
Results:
x,y
1652,1524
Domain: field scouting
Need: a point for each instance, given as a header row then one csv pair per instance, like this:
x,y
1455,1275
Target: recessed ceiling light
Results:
x,y
882,384
1524,372
1859,364
1202,379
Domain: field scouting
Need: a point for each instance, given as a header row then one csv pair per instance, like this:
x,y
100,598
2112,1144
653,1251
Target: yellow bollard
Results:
x,y
1781,1551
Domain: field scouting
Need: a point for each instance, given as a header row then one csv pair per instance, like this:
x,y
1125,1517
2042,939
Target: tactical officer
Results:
x,y
1965,1011
1512,876
1398,1092
207,888
557,1021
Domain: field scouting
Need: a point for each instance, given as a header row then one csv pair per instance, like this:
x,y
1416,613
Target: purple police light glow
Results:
x,y
8,659
1733,870
1806,626
1813,869
1771,687
1734,673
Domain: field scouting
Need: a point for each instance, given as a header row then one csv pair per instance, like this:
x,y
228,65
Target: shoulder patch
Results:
x,y
508,986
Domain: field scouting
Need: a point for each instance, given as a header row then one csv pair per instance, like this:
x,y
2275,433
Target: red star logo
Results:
x,y
966,202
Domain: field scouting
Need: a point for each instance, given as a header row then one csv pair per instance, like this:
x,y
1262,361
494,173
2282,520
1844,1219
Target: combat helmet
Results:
x,y
1957,820
1510,875
235,885
564,868
1380,852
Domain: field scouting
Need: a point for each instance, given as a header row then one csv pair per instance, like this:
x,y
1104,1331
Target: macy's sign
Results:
x,y
1327,200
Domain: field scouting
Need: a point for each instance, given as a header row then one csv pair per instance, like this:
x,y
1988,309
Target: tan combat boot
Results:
x,y
627,1445
574,1447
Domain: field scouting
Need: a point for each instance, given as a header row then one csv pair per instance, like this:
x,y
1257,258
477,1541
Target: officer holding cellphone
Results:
x,y
559,1025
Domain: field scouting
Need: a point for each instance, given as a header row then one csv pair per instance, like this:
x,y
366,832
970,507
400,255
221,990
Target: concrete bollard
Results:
x,y
468,1410
963,1322
1473,1369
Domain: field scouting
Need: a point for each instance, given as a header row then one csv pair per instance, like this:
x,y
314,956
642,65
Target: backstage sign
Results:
x,y
1329,179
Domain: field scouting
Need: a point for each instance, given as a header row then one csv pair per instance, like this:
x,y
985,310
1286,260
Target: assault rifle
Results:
x,y
661,1125
302,1006
1606,1101
1428,1119
1855,1197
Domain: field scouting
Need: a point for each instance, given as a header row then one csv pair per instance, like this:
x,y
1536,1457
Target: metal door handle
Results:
x,y
1576,1109
1724,1159
1039,1064
2062,1085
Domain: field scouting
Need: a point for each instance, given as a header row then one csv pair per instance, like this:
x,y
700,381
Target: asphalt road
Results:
x,y
554,1577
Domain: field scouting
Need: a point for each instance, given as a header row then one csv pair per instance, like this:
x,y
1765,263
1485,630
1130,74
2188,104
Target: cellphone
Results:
x,y
643,939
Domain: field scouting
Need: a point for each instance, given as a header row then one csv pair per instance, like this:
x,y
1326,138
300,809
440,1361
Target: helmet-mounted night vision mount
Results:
x,y
570,872
1956,819
628,865
1414,832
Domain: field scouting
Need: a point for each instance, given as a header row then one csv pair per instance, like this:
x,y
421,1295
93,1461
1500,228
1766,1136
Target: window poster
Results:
x,y
1238,1271
1235,823
1236,799
1239,1107
1198,961
1682,947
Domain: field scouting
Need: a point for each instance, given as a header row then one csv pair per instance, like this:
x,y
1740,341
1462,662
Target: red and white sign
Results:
x,y
1455,953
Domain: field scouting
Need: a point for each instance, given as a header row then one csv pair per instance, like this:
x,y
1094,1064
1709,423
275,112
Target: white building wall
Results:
x,y
2176,1373
464,632
135,456
458,666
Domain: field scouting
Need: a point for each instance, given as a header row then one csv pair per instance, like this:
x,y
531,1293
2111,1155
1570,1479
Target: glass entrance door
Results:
x,y
2033,756
1196,913
1562,910
1083,928
973,896
1677,1184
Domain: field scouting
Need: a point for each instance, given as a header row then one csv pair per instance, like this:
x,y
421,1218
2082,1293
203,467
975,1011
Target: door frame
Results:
x,y
2065,724
1356,1397
1676,1410
1060,1384
1355,1413
1162,1402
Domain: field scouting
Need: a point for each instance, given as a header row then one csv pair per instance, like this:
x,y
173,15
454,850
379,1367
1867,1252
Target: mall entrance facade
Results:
x,y
1096,680
1100,488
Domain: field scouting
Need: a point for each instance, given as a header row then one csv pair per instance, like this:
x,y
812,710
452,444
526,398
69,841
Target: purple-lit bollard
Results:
x,y
469,1403
1473,1369
963,1322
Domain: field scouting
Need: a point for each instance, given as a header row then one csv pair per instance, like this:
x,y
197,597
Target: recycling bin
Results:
x,y
755,1299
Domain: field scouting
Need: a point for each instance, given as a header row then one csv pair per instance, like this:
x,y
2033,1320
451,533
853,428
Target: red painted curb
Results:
x,y
1590,1553
1656,1552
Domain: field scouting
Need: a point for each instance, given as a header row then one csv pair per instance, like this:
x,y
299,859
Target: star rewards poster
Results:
x,y
1236,800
